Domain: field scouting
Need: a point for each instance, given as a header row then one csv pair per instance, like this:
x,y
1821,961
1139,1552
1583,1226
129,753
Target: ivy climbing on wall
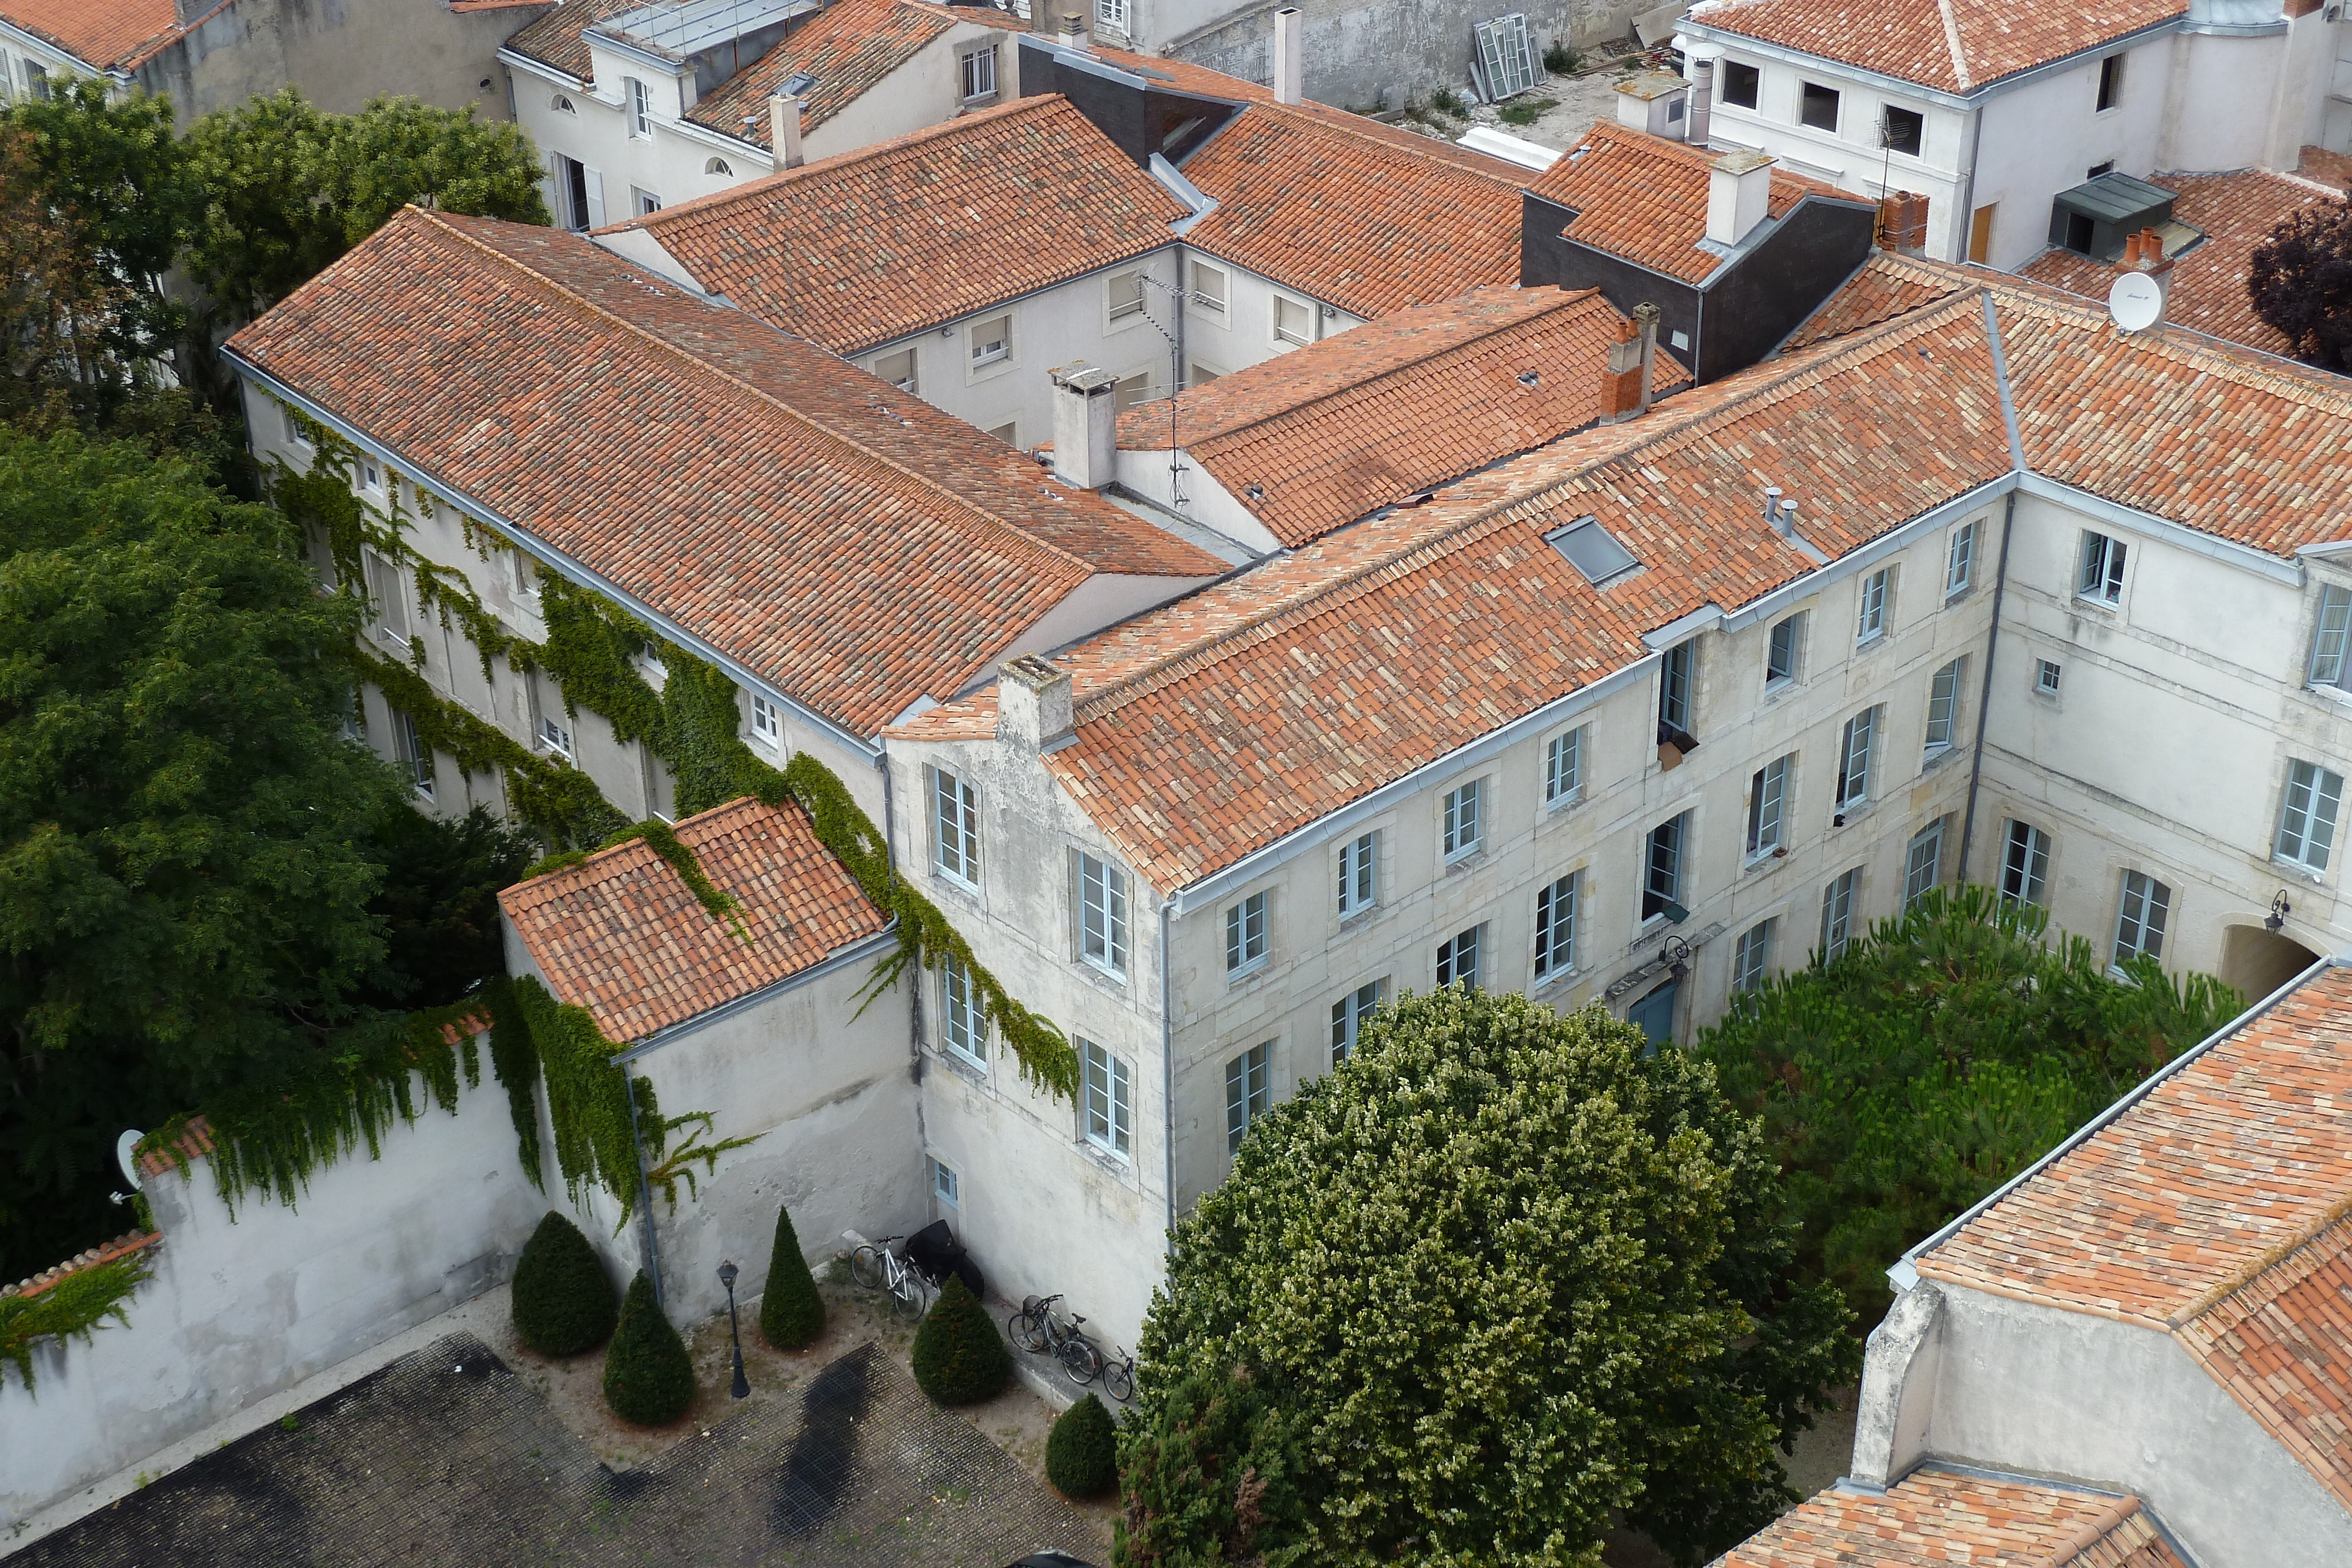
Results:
x,y
72,1308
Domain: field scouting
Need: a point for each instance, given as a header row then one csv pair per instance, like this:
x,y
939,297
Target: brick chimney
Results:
x,y
1289,73
1086,426
1033,709
1902,222
784,131
1702,101
1625,388
1739,195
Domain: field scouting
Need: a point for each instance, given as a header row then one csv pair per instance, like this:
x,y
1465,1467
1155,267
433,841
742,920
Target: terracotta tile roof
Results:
x,y
2237,212
857,250
122,1246
1214,725
854,547
1886,286
849,47
1644,198
98,32
1944,1517
621,935
1954,45
556,39
1396,407
2332,170
194,1141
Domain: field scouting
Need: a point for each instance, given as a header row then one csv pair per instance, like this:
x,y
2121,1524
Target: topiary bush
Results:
x,y
792,1315
648,1377
564,1300
959,1360
1082,1451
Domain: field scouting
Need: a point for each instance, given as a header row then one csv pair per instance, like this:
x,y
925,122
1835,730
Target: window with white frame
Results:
x,y
1662,879
899,370
1359,875
1837,913
388,594
641,108
295,435
944,1185
2046,674
978,72
1209,286
371,476
1111,14
1349,1015
1465,829
1457,958
1564,767
1944,706
963,1028
1125,290
1102,915
2024,864
1556,926
1877,605
2140,913
1923,862
2329,665
1246,935
2100,577
522,577
555,730
1784,652
36,81
1249,1092
955,827
1676,671
1856,752
992,341
1109,1109
1294,320
645,203
767,723
1752,956
409,751
1961,560
720,167
2306,830
1767,798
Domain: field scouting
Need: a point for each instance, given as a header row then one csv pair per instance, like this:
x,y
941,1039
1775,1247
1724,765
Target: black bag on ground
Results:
x,y
937,1253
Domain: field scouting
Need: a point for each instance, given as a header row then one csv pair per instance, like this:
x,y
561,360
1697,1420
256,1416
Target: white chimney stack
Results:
x,y
1702,100
1738,193
1034,708
1075,34
785,131
1289,72
1086,426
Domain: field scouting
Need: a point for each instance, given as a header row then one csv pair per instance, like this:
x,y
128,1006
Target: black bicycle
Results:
x,y
1037,1327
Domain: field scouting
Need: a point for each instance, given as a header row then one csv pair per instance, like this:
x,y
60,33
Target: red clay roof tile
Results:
x,y
849,47
1936,1516
1887,285
101,33
558,38
1954,45
1644,198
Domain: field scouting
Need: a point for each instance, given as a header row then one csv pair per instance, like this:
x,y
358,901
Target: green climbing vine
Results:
x,y
74,1307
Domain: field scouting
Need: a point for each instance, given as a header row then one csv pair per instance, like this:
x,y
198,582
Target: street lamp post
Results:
x,y
743,1389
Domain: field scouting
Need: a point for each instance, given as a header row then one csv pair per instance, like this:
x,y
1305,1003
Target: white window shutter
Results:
x,y
551,189
595,198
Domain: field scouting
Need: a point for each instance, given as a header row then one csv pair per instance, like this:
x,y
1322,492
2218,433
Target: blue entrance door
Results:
x,y
1654,1014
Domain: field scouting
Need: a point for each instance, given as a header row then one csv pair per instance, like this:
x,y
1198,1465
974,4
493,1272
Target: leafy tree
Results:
x,y
1082,1451
184,887
2299,279
1933,1059
1501,1277
438,905
792,1313
958,1357
562,1300
648,1376
288,189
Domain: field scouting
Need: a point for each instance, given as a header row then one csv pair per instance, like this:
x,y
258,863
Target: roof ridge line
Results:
x,y
674,351
1960,72
1298,114
1576,297
2217,354
2308,1235
613,850
1110,695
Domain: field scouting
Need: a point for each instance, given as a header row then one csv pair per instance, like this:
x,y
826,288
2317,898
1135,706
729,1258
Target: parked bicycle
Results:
x,y
881,1266
1038,1327
1119,1375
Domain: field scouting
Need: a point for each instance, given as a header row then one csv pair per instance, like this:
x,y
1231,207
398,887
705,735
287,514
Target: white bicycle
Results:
x,y
881,1266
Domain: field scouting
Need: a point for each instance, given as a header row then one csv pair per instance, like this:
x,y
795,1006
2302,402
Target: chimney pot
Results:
x,y
785,131
1772,505
1076,34
1289,69
1787,523
1086,426
1034,708
1739,195
1626,389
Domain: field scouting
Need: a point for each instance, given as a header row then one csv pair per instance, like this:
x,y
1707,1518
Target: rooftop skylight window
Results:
x,y
1592,550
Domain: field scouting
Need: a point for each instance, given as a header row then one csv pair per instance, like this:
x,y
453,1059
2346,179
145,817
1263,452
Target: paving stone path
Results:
x,y
445,1456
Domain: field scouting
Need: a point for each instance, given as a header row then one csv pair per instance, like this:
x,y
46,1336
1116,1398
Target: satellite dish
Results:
x,y
126,1151
2136,302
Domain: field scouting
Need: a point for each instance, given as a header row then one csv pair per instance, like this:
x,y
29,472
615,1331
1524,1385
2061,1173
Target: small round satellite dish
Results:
x,y
126,1151
2136,302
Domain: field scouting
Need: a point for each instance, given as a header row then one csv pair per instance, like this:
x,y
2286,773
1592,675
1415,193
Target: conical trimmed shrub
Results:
x,y
792,1314
563,1302
648,1377
1082,1451
959,1360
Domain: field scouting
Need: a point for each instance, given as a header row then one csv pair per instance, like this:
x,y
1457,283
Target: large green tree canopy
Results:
x,y
1935,1059
1500,1277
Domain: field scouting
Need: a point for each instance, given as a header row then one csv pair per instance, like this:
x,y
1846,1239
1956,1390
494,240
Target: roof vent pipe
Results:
x,y
1289,72
1772,505
1786,524
1702,100
784,131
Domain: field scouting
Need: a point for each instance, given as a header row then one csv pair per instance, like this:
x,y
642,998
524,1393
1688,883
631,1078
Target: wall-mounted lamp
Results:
x,y
1676,953
2280,909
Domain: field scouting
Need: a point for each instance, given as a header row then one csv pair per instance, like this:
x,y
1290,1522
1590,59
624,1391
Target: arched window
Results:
x,y
562,105
718,166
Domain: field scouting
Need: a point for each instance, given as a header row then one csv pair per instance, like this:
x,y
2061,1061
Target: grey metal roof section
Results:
x,y
681,31
2115,198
